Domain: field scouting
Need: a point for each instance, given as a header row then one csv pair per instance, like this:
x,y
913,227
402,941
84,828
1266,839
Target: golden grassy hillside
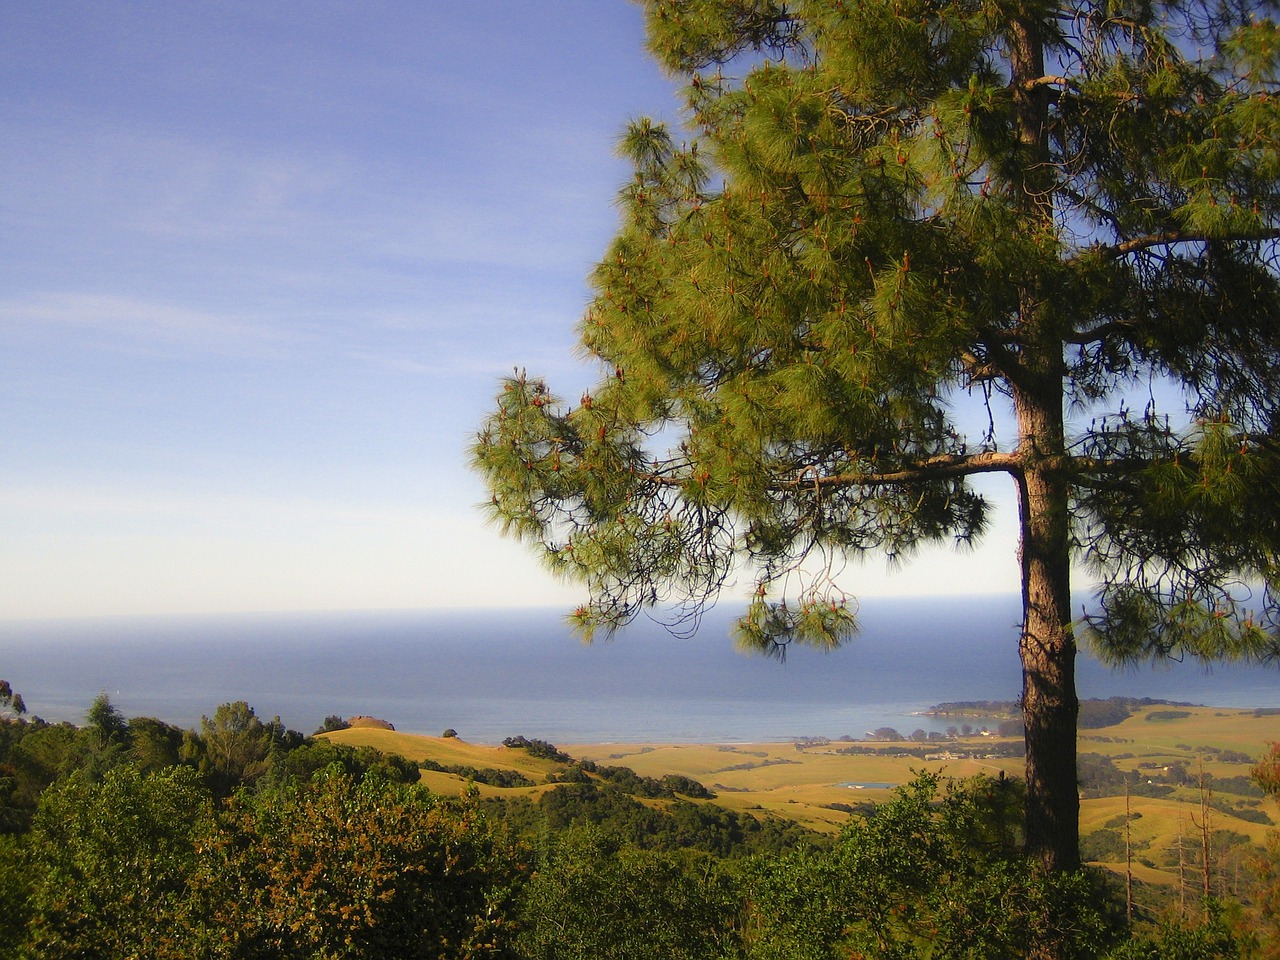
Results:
x,y
452,752
809,783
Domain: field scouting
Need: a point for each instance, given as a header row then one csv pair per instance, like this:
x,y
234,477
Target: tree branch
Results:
x,y
943,467
1171,237
1080,338
1047,81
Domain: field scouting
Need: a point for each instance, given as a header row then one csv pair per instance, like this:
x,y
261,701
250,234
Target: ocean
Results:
x,y
491,674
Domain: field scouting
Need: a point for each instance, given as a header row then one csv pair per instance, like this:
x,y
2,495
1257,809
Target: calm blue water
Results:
x,y
496,673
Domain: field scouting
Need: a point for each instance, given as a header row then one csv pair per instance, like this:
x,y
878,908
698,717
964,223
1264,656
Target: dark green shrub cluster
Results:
x,y
537,748
333,723
487,775
631,782
1106,845
929,874
151,865
1100,777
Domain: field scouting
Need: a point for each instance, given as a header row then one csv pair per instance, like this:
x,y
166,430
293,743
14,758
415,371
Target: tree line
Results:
x,y
243,839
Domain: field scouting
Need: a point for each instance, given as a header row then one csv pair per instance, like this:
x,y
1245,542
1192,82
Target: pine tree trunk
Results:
x,y
1047,646
1050,707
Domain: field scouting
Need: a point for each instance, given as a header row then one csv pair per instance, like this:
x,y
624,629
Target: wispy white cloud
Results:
x,y
526,209
162,182
135,323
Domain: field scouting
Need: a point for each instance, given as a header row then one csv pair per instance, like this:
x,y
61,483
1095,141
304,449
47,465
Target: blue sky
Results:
x,y
261,268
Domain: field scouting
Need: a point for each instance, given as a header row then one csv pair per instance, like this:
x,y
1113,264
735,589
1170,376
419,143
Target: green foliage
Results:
x,y
1240,786
110,862
154,744
927,875
1162,716
685,787
593,900
1103,845
885,733
11,704
105,739
141,864
107,723
670,827
880,209
1267,921
1096,714
486,775
340,861
1214,939
571,773
629,781
237,748
15,895
340,868
36,754
333,722
1100,777
303,762
537,748
575,771
1267,772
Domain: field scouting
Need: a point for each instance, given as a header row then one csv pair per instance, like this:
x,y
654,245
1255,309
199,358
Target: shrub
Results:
x,y
592,899
112,861
1161,716
333,722
1214,939
1102,845
537,748
339,868
927,876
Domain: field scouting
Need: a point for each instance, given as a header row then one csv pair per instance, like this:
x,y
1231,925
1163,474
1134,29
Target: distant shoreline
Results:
x,y
495,674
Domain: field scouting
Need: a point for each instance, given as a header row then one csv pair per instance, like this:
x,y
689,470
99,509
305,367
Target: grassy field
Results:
x,y
810,783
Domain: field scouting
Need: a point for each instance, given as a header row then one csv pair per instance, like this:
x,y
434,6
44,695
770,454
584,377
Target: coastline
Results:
x,y
496,674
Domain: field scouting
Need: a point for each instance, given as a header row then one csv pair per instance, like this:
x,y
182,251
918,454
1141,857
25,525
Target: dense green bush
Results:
x,y
120,848
110,861
927,875
486,775
1102,845
537,748
594,899
366,869
1214,939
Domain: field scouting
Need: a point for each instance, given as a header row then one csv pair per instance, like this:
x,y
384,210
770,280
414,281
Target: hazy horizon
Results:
x,y
522,672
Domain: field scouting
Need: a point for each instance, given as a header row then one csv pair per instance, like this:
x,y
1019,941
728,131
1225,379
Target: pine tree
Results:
x,y
895,219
